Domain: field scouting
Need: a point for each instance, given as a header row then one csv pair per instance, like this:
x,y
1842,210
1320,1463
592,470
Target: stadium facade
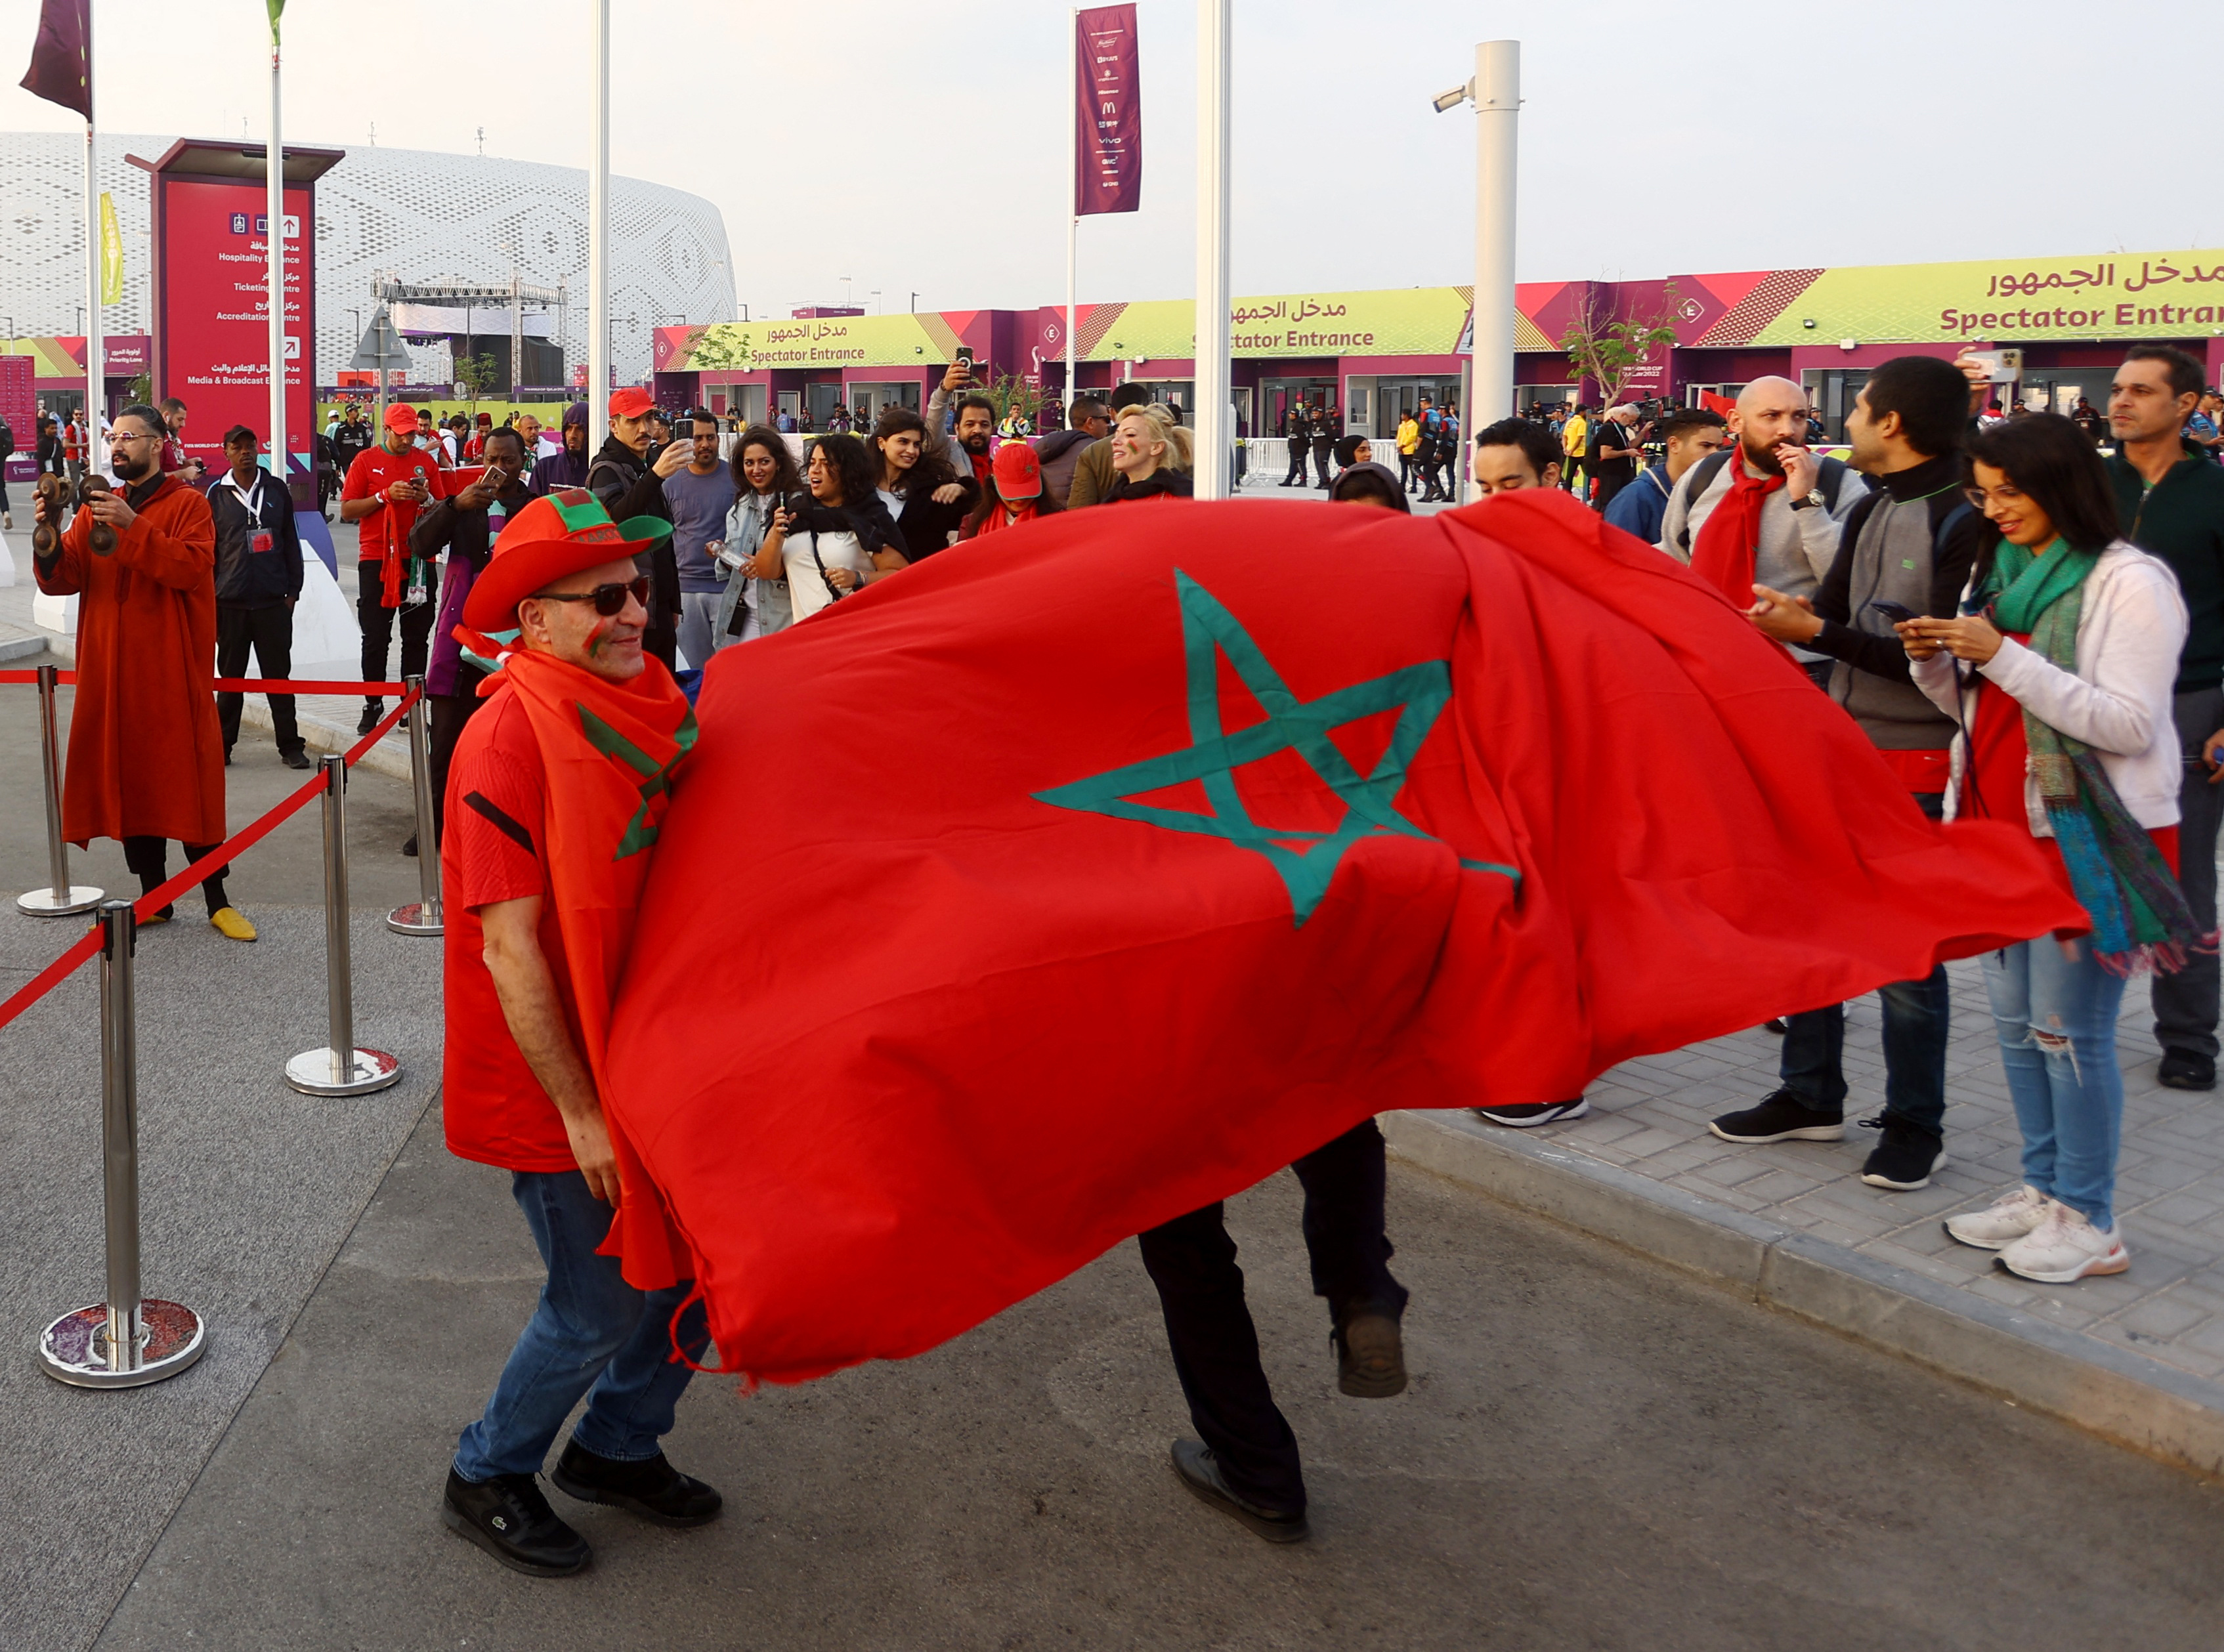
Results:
x,y
413,215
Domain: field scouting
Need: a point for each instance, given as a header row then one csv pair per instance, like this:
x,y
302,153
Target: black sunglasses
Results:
x,y
609,599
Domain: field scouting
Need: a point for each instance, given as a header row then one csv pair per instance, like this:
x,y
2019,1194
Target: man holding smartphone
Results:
x,y
386,487
1908,547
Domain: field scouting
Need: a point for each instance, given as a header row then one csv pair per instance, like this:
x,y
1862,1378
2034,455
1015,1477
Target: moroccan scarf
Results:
x,y
1729,539
996,519
2140,919
609,750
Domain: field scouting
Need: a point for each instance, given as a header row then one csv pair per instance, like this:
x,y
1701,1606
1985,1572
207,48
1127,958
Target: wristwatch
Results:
x,y
1814,499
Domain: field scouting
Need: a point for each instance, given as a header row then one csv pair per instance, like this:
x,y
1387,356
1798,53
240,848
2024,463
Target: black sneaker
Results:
x,y
1906,1158
651,1488
1776,1024
1526,1115
1370,1355
296,759
2184,1070
1782,1118
372,710
409,846
1200,1471
509,1517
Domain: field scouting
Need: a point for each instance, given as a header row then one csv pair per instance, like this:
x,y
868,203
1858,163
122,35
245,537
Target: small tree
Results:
x,y
1602,348
723,349
1011,394
476,375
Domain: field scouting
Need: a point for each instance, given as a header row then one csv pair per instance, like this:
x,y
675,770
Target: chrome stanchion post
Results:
x,y
337,1067
127,1340
63,898
421,916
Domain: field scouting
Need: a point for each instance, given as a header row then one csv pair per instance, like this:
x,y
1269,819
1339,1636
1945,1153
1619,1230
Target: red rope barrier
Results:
x,y
252,684
246,838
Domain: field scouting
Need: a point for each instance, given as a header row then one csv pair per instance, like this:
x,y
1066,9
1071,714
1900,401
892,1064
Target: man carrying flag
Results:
x,y
555,797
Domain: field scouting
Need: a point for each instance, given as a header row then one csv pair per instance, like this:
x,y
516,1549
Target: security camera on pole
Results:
x,y
1496,91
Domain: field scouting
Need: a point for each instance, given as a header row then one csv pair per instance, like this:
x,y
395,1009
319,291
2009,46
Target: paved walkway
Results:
x,y
1650,1117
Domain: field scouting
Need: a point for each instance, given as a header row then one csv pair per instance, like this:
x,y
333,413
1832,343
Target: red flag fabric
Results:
x,y
61,57
1070,881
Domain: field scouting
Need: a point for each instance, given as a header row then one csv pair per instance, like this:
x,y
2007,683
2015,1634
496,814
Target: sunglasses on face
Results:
x,y
609,599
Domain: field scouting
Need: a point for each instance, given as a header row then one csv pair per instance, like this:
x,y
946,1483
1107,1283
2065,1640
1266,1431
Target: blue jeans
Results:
x,y
2057,1024
1915,1030
590,1330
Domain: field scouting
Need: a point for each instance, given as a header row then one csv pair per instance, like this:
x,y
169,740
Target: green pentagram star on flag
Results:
x,y
1418,693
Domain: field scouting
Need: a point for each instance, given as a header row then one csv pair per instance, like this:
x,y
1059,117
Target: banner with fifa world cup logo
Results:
x,y
1107,112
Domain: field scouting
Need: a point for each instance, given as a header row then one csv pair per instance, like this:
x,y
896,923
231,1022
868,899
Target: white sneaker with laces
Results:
x,y
2007,1219
2064,1248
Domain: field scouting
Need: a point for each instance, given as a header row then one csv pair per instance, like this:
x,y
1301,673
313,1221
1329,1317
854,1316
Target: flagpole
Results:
x,y
1072,213
1213,376
275,249
96,455
598,224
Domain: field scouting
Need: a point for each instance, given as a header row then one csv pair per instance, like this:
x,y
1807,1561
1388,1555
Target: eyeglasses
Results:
x,y
609,599
116,438
2004,495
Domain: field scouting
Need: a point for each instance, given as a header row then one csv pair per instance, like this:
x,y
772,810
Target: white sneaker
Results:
x,y
7,522
2064,1248
2007,1219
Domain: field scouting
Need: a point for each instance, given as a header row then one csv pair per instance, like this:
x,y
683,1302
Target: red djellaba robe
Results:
x,y
145,754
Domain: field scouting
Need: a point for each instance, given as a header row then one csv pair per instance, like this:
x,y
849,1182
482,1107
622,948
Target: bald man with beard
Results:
x,y
1765,510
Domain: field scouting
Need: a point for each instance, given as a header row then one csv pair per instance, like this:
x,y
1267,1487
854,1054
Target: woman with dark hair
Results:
x,y
2061,670
1012,493
1368,483
927,499
764,475
838,541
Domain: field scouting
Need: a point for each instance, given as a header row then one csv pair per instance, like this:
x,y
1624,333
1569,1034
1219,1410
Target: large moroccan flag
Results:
x,y
1092,872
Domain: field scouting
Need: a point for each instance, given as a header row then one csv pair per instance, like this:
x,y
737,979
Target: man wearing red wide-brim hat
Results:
x,y
555,794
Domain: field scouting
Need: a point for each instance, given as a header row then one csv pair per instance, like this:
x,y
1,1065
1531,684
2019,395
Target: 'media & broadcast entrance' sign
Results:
x,y
211,297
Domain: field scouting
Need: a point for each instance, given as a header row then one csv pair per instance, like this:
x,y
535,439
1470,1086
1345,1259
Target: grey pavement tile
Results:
x,y
2178,1355
2208,1338
2162,1317
1780,1185
1650,1141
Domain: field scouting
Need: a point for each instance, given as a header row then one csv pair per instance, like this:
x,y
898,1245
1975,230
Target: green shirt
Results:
x,y
2180,519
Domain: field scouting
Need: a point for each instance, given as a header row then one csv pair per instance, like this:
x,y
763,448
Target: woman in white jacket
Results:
x,y
2061,670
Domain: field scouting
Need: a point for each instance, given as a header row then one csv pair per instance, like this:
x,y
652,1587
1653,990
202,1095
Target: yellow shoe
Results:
x,y
163,916
231,923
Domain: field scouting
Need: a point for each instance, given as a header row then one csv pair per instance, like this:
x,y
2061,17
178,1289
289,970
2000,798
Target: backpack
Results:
x,y
1833,478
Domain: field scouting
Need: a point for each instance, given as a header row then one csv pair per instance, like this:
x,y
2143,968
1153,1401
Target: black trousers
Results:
x,y
149,858
1324,452
1405,471
269,633
1297,450
450,713
1215,1347
378,625
1611,482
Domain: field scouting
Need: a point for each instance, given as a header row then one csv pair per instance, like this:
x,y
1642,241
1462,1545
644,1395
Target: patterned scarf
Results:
x,y
2140,919
1730,537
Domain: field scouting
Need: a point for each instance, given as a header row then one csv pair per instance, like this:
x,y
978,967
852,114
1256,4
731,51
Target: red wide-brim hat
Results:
x,y
552,537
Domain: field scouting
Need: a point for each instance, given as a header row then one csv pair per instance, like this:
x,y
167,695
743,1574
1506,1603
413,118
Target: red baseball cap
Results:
x,y
401,416
631,403
1019,472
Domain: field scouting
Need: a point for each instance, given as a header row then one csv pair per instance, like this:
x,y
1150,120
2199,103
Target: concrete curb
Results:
x,y
2119,1395
390,757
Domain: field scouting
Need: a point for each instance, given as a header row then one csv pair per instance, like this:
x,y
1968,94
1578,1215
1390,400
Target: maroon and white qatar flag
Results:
x,y
1107,112
61,57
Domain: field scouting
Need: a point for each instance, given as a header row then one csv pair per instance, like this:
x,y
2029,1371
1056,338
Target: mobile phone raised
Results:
x,y
1897,613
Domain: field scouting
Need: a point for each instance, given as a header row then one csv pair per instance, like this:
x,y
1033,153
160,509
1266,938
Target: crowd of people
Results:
x,y
2027,631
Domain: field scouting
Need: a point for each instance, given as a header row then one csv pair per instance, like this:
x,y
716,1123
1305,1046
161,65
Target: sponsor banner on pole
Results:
x,y
111,252
1108,112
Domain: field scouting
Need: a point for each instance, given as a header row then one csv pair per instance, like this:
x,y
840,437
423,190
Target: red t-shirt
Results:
x,y
1999,757
495,850
374,471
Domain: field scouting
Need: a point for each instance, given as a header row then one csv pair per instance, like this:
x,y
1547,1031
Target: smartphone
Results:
x,y
2004,366
1897,613
965,356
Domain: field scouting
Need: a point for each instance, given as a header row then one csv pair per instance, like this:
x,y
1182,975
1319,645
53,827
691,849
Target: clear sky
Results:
x,y
921,148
